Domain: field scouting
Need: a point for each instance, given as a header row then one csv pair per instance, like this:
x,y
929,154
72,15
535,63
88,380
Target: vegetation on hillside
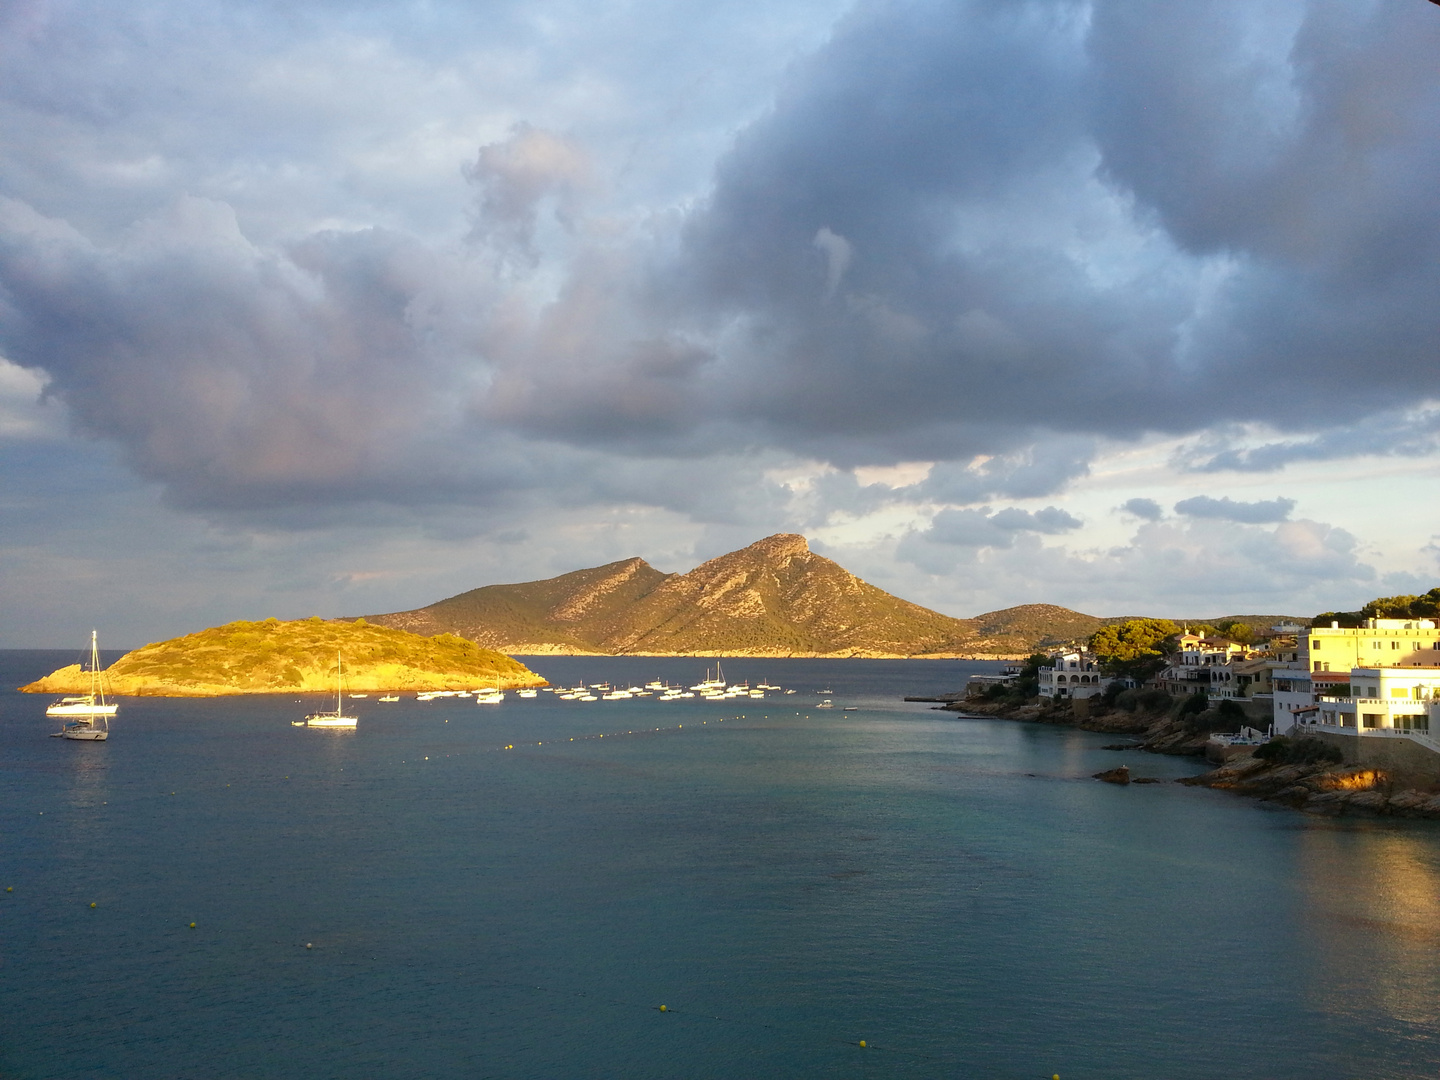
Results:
x,y
1426,606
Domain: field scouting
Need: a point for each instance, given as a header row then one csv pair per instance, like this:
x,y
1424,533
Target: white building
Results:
x,y
1073,674
1382,702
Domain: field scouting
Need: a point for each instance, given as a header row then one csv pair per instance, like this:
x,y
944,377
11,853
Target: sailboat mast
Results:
x,y
338,682
97,688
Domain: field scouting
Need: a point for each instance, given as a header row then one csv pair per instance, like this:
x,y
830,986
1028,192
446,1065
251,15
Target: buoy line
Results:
x,y
701,1015
564,741
793,1030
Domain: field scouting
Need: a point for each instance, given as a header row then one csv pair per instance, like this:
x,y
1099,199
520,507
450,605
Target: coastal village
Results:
x,y
1337,715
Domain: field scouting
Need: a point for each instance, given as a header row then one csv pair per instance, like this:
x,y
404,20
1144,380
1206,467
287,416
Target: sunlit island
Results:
x,y
275,657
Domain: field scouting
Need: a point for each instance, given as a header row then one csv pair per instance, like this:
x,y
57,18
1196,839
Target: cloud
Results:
x,y
1145,509
1050,226
1227,509
983,529
1190,568
1397,433
514,176
838,253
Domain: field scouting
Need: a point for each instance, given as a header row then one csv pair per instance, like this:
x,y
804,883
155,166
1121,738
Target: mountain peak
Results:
x,y
781,546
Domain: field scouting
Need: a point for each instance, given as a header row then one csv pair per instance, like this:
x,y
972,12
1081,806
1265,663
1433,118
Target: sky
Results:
x,y
342,308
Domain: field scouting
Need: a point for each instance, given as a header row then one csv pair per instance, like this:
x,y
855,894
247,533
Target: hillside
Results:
x,y
274,657
773,598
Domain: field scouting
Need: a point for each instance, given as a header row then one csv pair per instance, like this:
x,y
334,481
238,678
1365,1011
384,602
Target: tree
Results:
x,y
1135,648
1385,607
1236,631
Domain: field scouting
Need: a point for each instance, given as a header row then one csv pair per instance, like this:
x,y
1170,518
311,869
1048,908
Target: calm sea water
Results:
x,y
786,881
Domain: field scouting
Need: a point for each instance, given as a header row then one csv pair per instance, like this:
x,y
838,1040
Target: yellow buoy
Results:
x,y
862,1042
9,888
308,945
92,903
664,1009
192,926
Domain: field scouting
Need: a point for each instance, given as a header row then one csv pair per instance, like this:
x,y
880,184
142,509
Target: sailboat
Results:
x,y
336,719
711,685
87,716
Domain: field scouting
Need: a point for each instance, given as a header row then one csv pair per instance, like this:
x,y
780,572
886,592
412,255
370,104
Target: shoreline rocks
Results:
x,y
1316,787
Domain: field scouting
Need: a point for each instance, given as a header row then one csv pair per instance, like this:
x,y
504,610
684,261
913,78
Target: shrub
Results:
x,y
1129,700
1197,702
1299,751
1233,712
1153,700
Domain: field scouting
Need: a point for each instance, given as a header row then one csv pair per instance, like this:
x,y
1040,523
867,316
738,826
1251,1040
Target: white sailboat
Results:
x,y
336,719
710,685
87,716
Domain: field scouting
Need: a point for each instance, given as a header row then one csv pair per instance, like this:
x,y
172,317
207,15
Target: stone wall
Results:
x,y
1406,763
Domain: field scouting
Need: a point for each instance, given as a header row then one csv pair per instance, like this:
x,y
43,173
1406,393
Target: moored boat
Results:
x,y
86,716
336,719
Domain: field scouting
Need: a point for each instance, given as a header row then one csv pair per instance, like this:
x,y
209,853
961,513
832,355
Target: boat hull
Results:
x,y
330,721
83,734
81,710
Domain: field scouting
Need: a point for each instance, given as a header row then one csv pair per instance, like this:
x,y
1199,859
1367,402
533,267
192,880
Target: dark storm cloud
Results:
x,y
1265,512
229,373
984,234
1287,150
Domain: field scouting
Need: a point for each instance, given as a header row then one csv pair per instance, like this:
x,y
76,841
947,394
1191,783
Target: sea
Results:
x,y
761,888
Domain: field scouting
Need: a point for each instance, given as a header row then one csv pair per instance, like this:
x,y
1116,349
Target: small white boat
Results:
x,y
825,705
527,693
86,716
336,719
357,695
387,697
587,697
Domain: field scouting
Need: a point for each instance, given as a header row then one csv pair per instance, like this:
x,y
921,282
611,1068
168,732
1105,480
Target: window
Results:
x,y
1374,644
1422,722
1371,720
1399,692
1394,644
1314,643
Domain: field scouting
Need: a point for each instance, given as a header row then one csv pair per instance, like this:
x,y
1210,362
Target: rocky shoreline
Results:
x,y
1313,786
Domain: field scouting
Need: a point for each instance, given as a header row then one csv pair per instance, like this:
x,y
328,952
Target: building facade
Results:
x,y
1074,674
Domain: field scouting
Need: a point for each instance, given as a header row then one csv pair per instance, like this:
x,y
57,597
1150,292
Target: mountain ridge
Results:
x,y
775,597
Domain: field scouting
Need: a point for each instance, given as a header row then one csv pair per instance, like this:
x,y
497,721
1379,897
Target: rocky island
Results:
x,y
275,657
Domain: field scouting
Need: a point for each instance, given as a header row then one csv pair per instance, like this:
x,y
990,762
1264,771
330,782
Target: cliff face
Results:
x,y
289,657
773,598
